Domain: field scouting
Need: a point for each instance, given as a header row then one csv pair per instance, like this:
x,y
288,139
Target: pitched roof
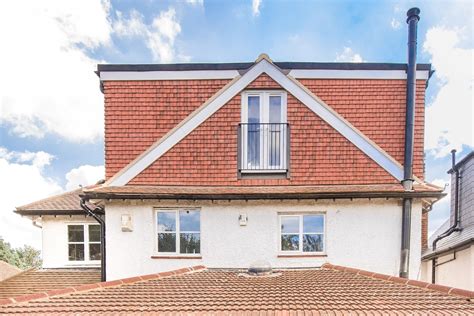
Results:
x,y
33,281
62,204
262,192
68,202
262,65
326,290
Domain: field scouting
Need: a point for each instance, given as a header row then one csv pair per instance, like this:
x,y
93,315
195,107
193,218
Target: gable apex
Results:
x,y
239,83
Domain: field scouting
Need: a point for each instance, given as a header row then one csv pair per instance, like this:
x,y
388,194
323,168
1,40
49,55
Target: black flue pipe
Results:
x,y
412,20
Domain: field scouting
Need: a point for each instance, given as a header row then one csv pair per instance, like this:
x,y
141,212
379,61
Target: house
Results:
x,y
291,163
294,164
450,260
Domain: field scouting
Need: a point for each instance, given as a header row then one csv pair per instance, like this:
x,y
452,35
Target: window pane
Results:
x,y
94,251
94,233
166,242
312,242
275,109
290,242
253,109
189,221
166,221
190,243
313,224
290,224
76,252
75,233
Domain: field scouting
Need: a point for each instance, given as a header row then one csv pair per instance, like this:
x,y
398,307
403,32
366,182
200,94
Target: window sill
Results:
x,y
322,255
175,257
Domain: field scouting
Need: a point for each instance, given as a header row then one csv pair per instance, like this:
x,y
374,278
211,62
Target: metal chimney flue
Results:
x,y
412,20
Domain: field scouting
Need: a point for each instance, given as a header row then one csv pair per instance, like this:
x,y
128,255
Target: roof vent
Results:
x,y
260,268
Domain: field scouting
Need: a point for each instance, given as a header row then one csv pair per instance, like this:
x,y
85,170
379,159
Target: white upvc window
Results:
x,y
178,231
83,243
302,233
264,131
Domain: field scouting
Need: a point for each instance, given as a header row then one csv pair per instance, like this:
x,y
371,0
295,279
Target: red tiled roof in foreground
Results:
x,y
33,281
290,191
331,290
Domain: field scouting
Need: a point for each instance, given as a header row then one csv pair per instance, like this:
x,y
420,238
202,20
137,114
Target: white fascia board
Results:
x,y
167,75
230,74
192,122
297,90
354,74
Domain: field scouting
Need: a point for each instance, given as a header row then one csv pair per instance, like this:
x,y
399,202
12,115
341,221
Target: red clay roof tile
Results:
x,y
331,290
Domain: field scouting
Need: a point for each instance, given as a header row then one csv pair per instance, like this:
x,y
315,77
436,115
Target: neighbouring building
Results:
x,y
453,253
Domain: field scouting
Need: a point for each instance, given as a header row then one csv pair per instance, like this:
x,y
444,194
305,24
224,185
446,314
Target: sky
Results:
x,y
51,108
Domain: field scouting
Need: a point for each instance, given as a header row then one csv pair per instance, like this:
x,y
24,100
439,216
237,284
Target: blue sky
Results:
x,y
51,118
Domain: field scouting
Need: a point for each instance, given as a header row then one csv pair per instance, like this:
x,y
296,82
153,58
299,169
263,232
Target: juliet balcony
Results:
x,y
263,148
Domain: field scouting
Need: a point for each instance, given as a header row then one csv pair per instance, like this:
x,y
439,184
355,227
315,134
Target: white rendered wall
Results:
x,y
362,234
55,247
458,273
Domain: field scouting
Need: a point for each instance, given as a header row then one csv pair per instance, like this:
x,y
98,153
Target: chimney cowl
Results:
x,y
413,13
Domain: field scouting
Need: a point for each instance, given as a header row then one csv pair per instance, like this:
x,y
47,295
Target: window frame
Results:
x,y
85,242
300,234
264,96
177,231
265,104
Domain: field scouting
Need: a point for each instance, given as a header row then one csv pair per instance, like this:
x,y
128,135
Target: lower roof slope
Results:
x,y
33,281
329,290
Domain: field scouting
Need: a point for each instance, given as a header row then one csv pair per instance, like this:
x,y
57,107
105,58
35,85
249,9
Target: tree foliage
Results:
x,y
24,257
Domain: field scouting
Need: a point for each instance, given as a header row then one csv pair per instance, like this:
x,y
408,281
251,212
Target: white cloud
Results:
x,y
195,2
84,175
159,36
348,55
395,24
47,84
449,117
256,7
22,182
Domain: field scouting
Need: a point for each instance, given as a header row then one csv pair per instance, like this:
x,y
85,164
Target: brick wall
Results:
x,y
140,112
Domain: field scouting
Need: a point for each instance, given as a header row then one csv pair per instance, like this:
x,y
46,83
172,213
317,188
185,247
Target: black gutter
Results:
x,y
407,182
266,196
458,247
246,65
455,227
93,213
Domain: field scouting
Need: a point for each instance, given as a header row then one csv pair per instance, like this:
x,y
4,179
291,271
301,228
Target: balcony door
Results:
x,y
264,130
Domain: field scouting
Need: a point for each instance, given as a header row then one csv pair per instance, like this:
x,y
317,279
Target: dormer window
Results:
x,y
263,133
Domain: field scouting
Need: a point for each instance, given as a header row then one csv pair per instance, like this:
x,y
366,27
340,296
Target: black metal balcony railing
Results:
x,y
263,147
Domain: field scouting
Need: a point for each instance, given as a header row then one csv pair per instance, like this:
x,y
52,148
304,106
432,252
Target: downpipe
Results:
x,y
101,221
455,227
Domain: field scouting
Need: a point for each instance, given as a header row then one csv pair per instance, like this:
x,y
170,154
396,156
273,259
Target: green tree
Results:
x,y
23,258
